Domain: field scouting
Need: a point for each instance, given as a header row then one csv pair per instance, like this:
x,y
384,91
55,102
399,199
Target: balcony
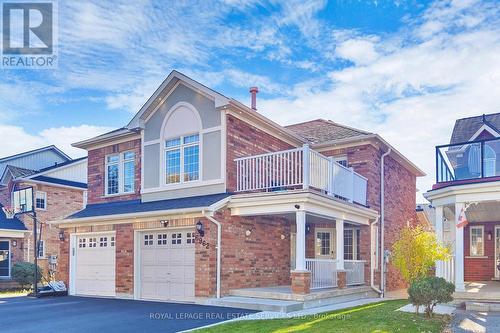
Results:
x,y
300,168
467,162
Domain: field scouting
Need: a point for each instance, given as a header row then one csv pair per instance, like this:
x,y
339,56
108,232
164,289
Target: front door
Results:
x,y
325,243
497,251
4,259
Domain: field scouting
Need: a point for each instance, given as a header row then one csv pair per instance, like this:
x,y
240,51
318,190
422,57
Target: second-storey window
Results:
x,y
120,173
41,200
182,159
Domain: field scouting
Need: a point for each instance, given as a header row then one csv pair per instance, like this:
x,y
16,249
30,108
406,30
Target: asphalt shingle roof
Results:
x,y
320,131
60,181
136,206
6,224
466,127
20,172
55,166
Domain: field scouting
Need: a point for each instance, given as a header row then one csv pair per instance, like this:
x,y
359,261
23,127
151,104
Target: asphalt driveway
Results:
x,y
82,314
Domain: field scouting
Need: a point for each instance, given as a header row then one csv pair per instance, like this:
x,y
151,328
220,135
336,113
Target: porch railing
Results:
x,y
449,269
323,273
299,168
355,272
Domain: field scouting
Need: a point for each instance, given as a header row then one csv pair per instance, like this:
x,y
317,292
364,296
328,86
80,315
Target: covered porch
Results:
x,y
331,242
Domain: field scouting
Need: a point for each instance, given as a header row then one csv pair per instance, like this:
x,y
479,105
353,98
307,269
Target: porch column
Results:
x,y
439,236
459,250
339,227
300,241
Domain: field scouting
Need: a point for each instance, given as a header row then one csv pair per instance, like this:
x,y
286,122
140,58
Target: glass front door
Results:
x,y
325,243
4,259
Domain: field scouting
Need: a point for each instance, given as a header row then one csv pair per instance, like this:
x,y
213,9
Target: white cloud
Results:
x,y
62,137
361,51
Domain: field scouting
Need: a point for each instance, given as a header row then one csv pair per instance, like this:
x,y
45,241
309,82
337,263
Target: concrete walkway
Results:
x,y
476,322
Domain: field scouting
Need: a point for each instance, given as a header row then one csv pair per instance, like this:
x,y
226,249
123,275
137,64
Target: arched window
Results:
x,y
181,134
490,161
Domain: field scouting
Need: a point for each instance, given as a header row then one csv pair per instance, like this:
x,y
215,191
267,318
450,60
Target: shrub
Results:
x,y
430,291
24,273
416,252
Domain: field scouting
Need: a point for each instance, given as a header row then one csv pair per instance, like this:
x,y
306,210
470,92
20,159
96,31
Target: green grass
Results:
x,y
376,317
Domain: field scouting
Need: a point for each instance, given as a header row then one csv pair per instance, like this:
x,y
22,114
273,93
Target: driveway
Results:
x,y
477,322
82,314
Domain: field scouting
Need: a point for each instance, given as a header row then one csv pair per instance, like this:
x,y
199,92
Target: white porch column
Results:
x,y
339,226
459,250
300,241
439,235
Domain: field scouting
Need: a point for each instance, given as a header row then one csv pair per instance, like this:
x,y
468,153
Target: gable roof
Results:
x,y
60,165
38,150
18,172
465,128
321,130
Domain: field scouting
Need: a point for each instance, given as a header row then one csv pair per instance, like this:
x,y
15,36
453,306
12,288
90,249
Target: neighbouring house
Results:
x,y
466,204
202,196
59,188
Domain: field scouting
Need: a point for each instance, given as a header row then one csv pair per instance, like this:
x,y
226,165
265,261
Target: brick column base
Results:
x,y
301,282
341,279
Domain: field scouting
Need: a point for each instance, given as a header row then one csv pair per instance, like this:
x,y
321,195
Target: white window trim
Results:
x,y
482,241
45,200
333,247
340,158
43,256
181,148
354,242
121,168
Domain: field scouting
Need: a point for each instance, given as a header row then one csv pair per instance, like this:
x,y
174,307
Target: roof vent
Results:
x,y
253,93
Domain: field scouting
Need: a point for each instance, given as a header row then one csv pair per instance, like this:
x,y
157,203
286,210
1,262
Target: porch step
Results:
x,y
482,306
259,304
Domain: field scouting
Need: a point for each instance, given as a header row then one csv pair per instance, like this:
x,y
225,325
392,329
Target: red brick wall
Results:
x,y
96,171
480,268
61,202
245,140
124,259
206,262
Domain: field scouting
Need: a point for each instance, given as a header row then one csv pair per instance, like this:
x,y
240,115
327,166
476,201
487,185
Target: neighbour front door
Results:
x,y
325,243
497,251
4,259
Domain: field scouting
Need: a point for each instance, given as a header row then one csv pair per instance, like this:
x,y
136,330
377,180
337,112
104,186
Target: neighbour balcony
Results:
x,y
467,162
300,168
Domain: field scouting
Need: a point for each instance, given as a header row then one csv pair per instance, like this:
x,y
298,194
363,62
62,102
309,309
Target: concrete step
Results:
x,y
340,298
259,304
482,306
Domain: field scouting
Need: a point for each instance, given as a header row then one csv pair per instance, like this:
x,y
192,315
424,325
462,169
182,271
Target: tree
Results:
x,y
429,291
24,273
416,252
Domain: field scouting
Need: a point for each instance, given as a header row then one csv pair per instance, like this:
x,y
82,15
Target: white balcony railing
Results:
x,y
323,273
300,168
355,272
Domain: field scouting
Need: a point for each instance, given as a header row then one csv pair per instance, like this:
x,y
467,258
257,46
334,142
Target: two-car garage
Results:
x,y
164,259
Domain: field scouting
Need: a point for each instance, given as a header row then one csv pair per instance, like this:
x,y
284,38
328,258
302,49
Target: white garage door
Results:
x,y
167,265
95,265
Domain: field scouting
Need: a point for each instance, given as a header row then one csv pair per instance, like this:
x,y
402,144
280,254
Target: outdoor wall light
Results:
x,y
61,236
308,229
248,232
297,206
14,244
490,235
282,237
200,228
164,223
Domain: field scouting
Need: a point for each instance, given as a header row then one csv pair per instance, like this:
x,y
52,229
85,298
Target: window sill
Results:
x,y
117,195
476,257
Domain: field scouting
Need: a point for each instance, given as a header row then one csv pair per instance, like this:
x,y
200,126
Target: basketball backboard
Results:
x,y
22,200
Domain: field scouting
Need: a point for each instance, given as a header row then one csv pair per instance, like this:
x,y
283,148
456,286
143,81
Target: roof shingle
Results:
x,y
321,130
465,128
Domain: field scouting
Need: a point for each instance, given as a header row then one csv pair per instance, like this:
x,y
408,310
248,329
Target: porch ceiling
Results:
x,y
280,203
484,212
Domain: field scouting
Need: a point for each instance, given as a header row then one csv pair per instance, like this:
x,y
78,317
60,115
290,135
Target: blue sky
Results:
x,y
403,69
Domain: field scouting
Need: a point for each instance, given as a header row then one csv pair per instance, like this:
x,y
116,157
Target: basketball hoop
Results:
x,y
9,212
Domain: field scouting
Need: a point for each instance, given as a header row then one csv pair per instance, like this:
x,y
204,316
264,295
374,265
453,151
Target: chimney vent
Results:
x,y
253,93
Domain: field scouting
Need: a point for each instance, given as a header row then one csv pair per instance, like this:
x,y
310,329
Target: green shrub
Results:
x,y
429,291
24,273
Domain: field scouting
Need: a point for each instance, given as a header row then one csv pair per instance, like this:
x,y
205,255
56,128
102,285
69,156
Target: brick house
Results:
x,y
467,189
59,184
202,196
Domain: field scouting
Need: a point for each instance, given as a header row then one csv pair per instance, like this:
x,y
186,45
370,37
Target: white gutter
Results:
x,y
382,220
372,257
219,241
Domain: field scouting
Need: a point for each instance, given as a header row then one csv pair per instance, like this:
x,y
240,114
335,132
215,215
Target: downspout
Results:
x,y
372,256
382,220
219,241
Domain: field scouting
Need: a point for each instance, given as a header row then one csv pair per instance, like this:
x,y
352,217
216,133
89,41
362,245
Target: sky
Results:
x,y
403,69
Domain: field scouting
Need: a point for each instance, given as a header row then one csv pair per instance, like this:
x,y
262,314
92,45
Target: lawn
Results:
x,y
13,293
376,317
